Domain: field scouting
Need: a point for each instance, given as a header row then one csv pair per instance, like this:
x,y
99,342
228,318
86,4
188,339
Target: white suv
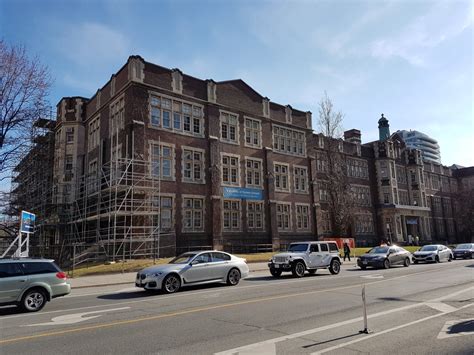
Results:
x,y
308,256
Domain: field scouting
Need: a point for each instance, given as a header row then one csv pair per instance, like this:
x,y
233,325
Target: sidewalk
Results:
x,y
128,278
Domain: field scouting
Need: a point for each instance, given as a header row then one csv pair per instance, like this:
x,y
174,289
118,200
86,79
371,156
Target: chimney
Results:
x,y
353,136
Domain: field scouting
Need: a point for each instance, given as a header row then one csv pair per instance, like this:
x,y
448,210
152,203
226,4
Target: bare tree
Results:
x,y
340,202
24,85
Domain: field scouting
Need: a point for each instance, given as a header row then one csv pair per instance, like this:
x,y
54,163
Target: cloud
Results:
x,y
444,21
90,44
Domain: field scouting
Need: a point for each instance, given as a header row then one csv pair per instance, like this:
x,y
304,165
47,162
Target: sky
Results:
x,y
411,60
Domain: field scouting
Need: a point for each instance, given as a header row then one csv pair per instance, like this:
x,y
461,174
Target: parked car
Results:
x,y
193,268
384,257
30,283
306,256
433,253
464,251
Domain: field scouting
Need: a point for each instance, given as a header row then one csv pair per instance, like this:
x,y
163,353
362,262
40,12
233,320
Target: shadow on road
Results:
x,y
331,340
151,293
283,277
9,310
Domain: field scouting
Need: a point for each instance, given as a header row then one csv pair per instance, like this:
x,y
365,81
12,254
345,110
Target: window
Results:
x,y
289,141
386,197
230,170
162,157
69,135
94,133
68,163
323,192
231,220
193,214
361,195
283,216
357,168
281,177
39,268
302,217
321,162
117,119
253,172
10,270
220,257
301,179
401,175
193,165
253,133
255,215
403,197
314,248
364,224
163,205
324,247
326,222
92,178
229,127
176,115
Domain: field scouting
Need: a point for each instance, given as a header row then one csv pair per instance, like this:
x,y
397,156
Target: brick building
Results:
x,y
158,160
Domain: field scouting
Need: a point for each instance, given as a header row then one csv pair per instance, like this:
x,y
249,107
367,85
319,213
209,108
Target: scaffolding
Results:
x,y
117,213
32,190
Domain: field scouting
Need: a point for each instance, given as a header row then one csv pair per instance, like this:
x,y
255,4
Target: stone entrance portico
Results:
x,y
400,221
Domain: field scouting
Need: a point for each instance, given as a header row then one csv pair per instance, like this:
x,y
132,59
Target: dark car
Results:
x,y
465,251
384,257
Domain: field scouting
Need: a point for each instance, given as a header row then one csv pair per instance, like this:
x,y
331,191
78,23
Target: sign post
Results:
x,y
27,226
364,307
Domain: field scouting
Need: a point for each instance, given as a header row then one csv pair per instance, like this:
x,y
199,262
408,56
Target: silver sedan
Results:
x,y
193,268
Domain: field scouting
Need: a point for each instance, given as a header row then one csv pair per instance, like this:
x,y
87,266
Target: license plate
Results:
x,y
364,262
277,266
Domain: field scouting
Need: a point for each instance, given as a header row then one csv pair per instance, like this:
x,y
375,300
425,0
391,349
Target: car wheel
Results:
x,y
450,258
233,277
275,272
171,283
312,272
335,267
298,269
33,300
406,263
386,264
436,259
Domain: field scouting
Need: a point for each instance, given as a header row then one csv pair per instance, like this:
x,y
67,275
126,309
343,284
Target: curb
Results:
x,y
131,282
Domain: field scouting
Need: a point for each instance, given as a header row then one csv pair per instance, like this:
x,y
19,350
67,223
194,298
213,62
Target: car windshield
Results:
x,y
463,246
298,247
378,250
429,248
182,259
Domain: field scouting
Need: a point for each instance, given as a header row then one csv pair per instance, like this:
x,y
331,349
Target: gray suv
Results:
x,y
306,256
30,283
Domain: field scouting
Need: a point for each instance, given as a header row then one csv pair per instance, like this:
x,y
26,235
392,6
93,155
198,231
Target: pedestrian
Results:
x,y
417,240
347,252
410,239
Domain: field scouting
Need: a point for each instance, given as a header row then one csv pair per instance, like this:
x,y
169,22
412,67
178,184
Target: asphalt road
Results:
x,y
422,309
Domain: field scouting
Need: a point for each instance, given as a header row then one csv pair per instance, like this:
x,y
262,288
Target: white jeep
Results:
x,y
308,256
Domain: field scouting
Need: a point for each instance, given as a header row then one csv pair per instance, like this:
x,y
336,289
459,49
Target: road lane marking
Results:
x,y
250,347
193,293
190,311
440,306
447,328
365,337
373,276
75,317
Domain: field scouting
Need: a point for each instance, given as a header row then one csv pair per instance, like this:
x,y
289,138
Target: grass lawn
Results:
x,y
138,264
